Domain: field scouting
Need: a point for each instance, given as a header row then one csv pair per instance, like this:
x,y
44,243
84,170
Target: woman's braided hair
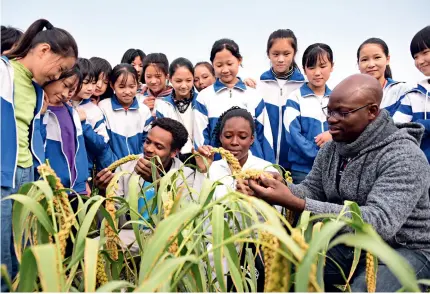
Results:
x,y
235,111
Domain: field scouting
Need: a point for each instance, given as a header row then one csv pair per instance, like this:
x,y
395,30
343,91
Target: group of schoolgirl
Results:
x,y
81,113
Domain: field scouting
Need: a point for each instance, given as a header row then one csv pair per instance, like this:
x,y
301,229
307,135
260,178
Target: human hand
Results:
x,y
103,179
242,186
150,102
203,151
250,82
144,169
323,138
276,193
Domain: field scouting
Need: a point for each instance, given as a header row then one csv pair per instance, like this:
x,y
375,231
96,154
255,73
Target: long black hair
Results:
x,y
60,40
384,46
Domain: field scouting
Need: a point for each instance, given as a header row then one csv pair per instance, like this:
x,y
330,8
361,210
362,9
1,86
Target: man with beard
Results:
x,y
165,139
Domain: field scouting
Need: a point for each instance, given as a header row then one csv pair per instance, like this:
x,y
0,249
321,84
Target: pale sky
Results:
x,y
188,28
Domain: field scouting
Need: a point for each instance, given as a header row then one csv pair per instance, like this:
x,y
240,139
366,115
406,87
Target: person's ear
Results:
x,y
252,139
373,111
174,153
41,49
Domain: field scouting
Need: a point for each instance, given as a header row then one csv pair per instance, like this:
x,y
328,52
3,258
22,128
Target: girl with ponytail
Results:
x,y
373,58
42,54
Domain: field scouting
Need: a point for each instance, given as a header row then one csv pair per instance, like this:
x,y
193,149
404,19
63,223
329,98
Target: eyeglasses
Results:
x,y
340,115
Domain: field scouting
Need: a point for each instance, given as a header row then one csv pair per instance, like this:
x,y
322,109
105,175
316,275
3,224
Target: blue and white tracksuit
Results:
x,y
96,136
55,153
9,131
303,121
392,93
415,107
275,93
166,107
216,99
127,129
12,176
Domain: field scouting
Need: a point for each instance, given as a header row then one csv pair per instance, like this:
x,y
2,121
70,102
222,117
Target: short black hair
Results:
x,y
102,66
315,52
159,60
9,37
178,131
131,54
235,111
87,70
420,41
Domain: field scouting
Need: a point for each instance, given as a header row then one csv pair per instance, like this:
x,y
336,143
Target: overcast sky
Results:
x,y
188,28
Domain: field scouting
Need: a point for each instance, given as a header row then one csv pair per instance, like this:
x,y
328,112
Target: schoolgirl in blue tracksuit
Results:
x,y
276,85
415,104
229,91
22,102
127,120
373,58
306,128
62,131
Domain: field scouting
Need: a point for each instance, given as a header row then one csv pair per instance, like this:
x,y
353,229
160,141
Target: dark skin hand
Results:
x,y
276,192
103,178
144,169
242,186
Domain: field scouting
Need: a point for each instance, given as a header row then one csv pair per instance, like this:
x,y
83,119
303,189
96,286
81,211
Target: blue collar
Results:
x,y
420,89
218,85
85,101
306,91
390,82
295,77
117,106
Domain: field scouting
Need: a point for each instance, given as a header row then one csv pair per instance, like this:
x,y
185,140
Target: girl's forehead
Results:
x,y
154,68
224,54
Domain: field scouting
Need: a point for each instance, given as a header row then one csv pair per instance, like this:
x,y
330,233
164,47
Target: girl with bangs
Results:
x,y
62,129
276,85
415,104
95,132
155,76
305,125
127,120
229,90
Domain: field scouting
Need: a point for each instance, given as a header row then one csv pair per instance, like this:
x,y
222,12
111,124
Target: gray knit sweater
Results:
x,y
387,175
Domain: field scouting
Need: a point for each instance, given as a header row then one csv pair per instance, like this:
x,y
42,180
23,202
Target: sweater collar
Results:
x,y
378,130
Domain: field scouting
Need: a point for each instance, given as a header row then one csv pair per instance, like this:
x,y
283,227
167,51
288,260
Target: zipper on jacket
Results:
x,y
280,124
231,93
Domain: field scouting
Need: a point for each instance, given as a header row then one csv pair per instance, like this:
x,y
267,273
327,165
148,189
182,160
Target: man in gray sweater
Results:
x,y
375,163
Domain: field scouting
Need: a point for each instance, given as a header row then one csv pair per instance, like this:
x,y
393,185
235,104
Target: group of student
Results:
x,y
82,114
